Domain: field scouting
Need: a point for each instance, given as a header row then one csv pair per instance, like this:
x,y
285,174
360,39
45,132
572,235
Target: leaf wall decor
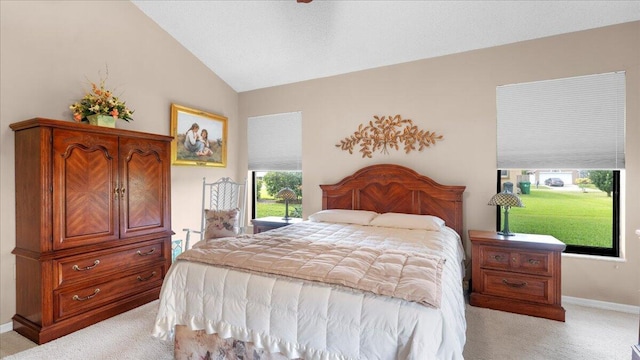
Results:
x,y
386,132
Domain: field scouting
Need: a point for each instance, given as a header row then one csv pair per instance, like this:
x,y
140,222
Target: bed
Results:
x,y
377,274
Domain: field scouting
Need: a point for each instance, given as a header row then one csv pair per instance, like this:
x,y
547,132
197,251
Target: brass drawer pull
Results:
x,y
78,298
140,278
147,253
534,261
514,285
95,263
497,257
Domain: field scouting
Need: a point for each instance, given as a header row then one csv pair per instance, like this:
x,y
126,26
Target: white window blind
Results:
x,y
570,123
275,142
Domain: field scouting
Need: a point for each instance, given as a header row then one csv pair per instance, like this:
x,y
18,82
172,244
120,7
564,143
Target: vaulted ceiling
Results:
x,y
264,43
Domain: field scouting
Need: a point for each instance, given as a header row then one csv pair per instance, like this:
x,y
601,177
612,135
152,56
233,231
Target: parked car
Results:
x,y
554,182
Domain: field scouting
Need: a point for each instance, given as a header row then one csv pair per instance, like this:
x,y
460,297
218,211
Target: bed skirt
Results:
x,y
197,344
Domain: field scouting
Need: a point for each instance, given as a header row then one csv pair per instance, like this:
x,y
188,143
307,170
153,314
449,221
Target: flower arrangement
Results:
x,y
100,101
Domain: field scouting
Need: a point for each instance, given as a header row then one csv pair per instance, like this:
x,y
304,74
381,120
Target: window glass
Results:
x,y
267,184
578,207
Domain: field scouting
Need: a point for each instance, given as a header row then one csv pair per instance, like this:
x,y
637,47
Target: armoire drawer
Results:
x,y
72,301
92,265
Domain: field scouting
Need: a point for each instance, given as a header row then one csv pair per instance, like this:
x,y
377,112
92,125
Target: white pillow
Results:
x,y
408,221
358,217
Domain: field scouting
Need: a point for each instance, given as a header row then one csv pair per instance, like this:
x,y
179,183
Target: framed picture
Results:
x,y
199,138
504,174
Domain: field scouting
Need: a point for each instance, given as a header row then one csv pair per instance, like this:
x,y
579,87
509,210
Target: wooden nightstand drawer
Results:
x,y
530,262
495,258
514,286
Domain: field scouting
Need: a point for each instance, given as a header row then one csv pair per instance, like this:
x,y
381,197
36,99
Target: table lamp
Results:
x,y
506,200
286,194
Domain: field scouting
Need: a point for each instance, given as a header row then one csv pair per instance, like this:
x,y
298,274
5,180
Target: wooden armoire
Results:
x,y
93,223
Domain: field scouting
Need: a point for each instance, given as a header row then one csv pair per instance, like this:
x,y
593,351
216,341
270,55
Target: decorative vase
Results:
x,y
102,120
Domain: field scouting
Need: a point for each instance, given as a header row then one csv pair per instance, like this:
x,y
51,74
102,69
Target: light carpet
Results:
x,y
125,336
588,333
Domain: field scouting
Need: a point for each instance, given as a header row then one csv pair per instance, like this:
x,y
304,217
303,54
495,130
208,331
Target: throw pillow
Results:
x,y
221,223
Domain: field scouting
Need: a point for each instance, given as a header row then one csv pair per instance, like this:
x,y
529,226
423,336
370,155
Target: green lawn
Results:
x,y
573,217
268,207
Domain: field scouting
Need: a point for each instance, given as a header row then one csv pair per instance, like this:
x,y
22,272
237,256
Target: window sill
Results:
x,y
595,257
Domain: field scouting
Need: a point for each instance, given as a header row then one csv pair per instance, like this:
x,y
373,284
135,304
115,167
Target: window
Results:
x,y
275,162
578,207
267,184
561,143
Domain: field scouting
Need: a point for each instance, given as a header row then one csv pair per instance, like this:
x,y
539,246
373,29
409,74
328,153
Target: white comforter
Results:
x,y
317,321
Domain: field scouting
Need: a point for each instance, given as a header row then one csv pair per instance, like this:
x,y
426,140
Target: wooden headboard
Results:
x,y
394,188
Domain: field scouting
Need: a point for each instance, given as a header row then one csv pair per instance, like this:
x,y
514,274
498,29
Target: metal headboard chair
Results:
x,y
224,194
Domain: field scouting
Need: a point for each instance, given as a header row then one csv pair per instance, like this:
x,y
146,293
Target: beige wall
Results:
x,y
455,96
49,50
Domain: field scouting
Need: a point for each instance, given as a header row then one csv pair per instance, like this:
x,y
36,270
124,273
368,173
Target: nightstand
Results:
x,y
271,222
519,273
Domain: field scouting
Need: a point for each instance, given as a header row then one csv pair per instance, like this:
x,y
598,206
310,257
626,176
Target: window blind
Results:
x,y
275,142
569,123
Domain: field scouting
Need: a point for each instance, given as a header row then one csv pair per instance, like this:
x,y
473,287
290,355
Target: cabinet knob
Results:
x,y
117,191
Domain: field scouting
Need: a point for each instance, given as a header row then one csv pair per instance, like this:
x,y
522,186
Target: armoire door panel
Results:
x,y
83,190
144,185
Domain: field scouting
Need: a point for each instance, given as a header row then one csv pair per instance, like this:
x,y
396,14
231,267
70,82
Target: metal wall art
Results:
x,y
386,133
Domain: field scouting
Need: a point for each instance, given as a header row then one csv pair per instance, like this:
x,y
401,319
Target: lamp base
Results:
x,y
506,233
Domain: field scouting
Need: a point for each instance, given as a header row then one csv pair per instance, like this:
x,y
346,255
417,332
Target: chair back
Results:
x,y
224,194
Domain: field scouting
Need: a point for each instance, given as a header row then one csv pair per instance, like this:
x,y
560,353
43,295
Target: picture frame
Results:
x,y
210,150
504,174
